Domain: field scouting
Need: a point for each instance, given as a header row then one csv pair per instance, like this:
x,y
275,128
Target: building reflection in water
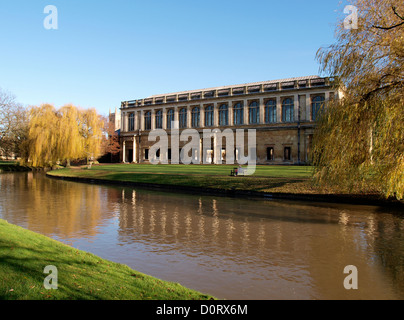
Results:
x,y
291,242
232,248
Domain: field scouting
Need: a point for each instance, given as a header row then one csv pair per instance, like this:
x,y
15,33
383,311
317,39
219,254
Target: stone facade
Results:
x,y
282,112
116,119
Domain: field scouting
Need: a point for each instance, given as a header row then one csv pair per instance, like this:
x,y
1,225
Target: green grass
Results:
x,y
11,166
81,275
292,180
215,170
275,179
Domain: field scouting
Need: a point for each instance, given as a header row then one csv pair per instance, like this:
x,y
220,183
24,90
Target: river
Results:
x,y
235,249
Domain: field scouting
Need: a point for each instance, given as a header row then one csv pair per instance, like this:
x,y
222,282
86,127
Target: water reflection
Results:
x,y
53,207
231,248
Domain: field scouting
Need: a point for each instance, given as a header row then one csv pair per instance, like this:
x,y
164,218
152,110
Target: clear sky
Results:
x,y
105,52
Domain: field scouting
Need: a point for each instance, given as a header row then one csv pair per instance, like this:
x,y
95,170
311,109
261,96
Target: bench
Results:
x,y
238,172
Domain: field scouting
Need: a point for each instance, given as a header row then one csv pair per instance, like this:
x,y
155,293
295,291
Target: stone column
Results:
x,y
216,151
176,115
246,111
153,119
231,113
189,117
124,151
303,107
134,148
141,120
202,153
262,111
278,109
137,120
202,117
164,118
123,121
308,108
296,107
215,114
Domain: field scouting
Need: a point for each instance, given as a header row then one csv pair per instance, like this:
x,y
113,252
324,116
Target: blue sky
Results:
x,y
105,52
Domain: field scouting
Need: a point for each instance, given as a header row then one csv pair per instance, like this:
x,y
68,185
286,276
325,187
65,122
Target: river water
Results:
x,y
236,249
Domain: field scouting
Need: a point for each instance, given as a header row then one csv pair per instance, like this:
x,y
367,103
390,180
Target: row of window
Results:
x,y
223,115
287,153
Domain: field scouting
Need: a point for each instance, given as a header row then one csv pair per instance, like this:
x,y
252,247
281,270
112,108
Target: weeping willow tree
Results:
x,y
359,140
91,131
70,141
42,138
57,136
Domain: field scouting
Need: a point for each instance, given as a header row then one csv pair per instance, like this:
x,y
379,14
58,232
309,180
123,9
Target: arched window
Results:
x,y
223,115
209,120
317,104
131,126
195,117
270,111
287,110
147,120
183,118
254,113
170,118
238,112
159,119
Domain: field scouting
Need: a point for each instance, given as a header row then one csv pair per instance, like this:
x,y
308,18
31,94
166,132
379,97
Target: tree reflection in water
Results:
x,y
232,248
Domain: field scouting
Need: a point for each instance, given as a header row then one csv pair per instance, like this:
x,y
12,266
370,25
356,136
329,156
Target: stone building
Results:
x,y
116,119
283,113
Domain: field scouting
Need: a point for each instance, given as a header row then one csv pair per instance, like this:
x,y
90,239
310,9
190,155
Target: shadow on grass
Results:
x,y
22,272
81,275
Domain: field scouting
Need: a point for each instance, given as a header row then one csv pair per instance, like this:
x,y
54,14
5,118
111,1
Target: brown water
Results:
x,y
230,248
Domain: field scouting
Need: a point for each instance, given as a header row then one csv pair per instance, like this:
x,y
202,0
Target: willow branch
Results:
x,y
392,27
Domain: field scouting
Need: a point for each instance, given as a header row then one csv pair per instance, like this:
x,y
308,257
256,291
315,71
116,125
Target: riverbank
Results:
x,y
12,166
268,182
81,275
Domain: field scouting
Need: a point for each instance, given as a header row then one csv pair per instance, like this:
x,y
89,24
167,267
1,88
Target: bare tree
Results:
x,y
13,125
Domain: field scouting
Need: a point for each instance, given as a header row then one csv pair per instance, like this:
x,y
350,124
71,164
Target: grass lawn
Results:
x,y
81,276
213,170
274,179
291,180
11,166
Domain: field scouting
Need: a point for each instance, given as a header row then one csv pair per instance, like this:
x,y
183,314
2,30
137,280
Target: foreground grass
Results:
x,y
81,276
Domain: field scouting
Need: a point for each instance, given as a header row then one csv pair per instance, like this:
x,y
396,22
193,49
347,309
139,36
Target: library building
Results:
x,y
282,112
